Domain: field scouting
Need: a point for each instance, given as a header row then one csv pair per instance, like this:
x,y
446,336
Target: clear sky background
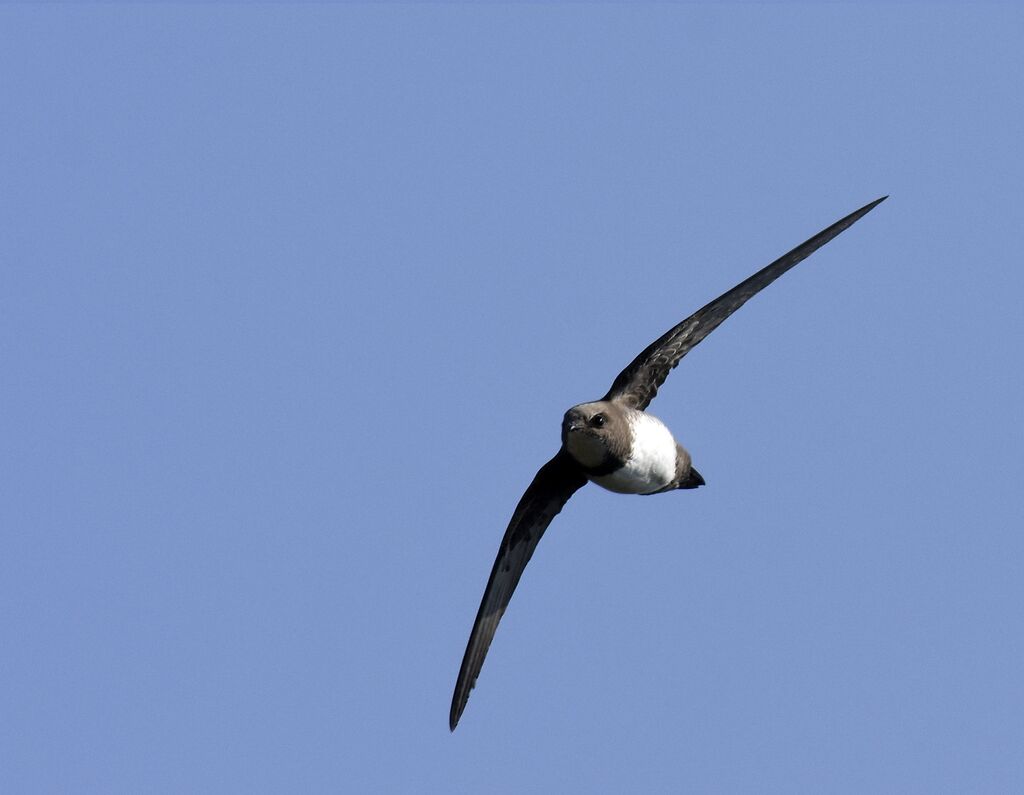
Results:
x,y
292,300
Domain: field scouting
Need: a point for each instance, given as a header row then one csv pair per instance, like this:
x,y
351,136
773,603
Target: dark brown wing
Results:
x,y
637,385
554,484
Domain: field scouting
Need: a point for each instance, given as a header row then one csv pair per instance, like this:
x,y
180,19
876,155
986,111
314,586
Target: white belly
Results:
x,y
651,466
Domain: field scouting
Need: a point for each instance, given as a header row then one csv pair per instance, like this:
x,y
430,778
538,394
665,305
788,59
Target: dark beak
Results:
x,y
569,427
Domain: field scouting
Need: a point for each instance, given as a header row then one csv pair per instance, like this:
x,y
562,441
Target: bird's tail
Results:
x,y
692,480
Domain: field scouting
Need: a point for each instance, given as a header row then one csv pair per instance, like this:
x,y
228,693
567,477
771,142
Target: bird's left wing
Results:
x,y
637,385
552,487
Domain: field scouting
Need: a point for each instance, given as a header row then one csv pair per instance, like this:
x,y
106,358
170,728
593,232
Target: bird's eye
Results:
x,y
598,421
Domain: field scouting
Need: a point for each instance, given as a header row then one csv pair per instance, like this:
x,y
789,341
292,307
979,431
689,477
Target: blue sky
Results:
x,y
292,300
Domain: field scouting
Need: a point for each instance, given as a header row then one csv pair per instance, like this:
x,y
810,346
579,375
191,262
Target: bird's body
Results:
x,y
616,444
652,462
629,452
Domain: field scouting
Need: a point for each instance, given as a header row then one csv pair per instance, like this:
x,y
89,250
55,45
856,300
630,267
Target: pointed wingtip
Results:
x,y
455,713
870,205
856,215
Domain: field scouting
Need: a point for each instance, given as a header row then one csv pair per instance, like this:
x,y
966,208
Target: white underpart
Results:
x,y
651,466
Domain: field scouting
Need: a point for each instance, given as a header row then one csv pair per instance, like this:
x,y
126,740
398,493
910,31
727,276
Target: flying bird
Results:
x,y
616,444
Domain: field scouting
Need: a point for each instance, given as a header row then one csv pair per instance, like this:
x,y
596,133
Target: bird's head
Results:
x,y
591,432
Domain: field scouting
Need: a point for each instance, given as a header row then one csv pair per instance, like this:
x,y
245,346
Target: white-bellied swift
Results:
x,y
617,445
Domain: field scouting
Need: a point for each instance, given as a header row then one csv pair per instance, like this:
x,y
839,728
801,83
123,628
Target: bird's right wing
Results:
x,y
637,385
552,487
